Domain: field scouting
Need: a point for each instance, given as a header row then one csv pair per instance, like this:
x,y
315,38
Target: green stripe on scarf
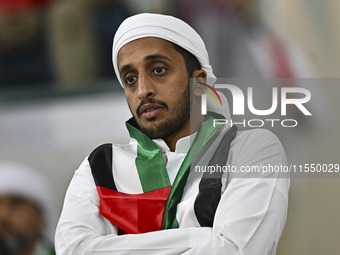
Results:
x,y
205,132
149,162
152,170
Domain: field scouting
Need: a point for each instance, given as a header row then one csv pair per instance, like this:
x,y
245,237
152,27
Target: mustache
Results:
x,y
150,101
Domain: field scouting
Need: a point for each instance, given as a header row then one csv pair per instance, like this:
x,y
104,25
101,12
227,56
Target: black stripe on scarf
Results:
x,y
101,166
210,185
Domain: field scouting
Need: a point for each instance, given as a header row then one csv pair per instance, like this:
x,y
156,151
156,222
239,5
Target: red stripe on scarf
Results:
x,y
133,213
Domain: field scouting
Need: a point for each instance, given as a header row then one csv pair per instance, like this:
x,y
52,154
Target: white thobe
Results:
x,y
249,219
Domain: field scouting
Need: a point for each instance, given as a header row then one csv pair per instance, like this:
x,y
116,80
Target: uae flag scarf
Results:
x,y
156,208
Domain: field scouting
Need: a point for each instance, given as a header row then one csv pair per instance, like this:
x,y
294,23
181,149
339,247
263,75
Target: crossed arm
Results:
x,y
249,219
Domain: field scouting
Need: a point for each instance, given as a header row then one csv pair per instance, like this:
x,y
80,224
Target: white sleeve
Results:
x,y
252,212
82,230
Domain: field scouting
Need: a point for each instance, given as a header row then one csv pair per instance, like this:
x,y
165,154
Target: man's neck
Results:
x,y
189,128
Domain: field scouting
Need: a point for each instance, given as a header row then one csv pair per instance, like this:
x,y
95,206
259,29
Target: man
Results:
x,y
25,211
145,197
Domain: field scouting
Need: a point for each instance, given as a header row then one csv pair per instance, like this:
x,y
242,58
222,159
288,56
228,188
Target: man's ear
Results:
x,y
199,76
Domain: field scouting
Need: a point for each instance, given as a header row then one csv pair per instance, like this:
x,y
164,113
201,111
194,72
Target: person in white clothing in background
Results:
x,y
26,213
154,195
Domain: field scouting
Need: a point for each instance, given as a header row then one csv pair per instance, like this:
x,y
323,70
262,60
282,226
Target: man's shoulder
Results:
x,y
256,133
101,149
105,153
107,148
256,140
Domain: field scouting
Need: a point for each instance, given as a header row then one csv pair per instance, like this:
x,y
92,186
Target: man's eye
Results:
x,y
130,79
159,70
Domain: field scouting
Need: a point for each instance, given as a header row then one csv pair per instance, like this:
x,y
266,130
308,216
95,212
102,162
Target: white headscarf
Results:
x,y
165,27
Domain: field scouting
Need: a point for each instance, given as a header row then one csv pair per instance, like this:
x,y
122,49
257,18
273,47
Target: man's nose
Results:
x,y
145,86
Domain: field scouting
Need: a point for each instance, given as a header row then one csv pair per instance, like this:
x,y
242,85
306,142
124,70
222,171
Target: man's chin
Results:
x,y
162,128
156,130
152,133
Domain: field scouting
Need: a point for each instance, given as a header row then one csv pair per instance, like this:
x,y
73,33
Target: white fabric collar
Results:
x,y
182,145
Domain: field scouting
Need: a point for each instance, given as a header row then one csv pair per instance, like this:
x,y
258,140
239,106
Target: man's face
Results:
x,y
156,86
21,222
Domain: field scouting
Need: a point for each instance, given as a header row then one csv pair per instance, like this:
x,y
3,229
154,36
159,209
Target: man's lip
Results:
x,y
150,110
151,114
148,106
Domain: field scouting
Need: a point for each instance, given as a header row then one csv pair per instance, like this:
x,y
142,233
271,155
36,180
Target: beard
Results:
x,y
16,243
182,108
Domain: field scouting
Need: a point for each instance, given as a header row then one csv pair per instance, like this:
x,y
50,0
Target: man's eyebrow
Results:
x,y
124,68
147,58
156,56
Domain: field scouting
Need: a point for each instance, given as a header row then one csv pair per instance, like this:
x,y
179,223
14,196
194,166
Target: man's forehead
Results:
x,y
146,45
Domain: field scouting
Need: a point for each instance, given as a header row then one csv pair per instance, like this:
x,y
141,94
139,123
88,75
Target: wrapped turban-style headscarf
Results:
x,y
166,27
